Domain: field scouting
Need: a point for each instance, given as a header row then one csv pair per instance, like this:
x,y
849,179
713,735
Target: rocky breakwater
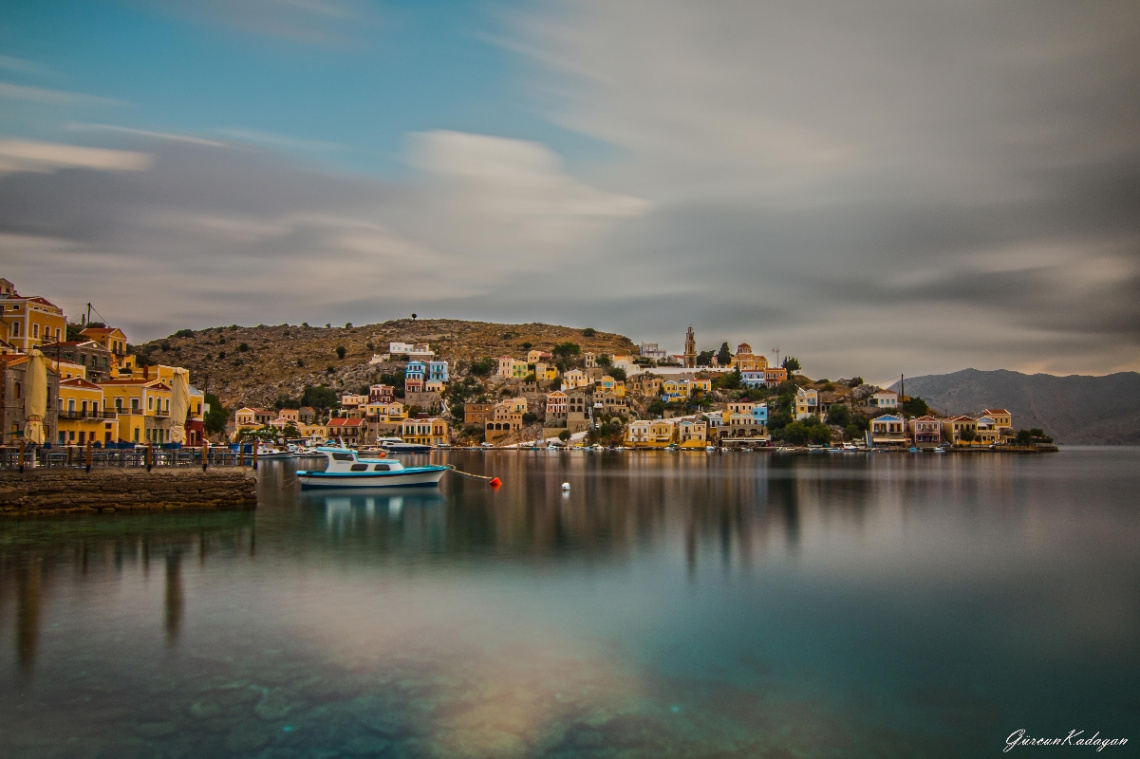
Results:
x,y
73,491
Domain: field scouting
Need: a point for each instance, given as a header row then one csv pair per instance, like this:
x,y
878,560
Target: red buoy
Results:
x,y
496,482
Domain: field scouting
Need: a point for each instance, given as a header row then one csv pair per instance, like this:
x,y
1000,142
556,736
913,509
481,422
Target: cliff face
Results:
x,y
281,360
1074,409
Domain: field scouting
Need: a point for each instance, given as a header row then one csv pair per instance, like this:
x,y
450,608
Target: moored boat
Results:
x,y
346,469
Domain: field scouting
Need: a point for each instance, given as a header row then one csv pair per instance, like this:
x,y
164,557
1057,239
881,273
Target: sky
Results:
x,y
877,188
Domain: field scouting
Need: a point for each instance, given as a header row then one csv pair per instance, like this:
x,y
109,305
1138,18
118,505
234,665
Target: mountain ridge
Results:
x,y
1075,409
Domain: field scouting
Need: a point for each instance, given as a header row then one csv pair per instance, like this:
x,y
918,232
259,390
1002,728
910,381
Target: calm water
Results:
x,y
683,604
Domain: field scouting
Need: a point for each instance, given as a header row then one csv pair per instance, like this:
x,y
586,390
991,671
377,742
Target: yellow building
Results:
x,y
433,431
512,368
111,338
66,369
691,434
807,403
82,416
386,412
617,387
143,409
649,434
574,378
545,372
29,321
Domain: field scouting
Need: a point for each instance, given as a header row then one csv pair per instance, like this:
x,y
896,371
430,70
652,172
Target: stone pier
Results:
x,y
73,491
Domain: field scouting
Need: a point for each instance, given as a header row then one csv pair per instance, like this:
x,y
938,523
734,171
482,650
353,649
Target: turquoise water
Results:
x,y
684,604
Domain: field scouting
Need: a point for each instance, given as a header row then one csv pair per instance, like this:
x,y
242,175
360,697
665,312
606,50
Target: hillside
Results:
x,y
1074,409
279,361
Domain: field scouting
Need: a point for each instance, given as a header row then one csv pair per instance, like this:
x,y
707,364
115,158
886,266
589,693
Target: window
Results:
x,y
35,331
15,329
342,457
150,403
71,405
359,467
380,468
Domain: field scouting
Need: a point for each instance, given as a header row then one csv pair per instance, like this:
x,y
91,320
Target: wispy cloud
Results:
x,y
80,127
32,156
53,97
313,22
24,66
279,141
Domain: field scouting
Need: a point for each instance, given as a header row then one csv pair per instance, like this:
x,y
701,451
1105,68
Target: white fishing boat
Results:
x,y
396,445
346,469
270,453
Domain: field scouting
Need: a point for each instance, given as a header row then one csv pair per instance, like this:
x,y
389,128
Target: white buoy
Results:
x,y
565,487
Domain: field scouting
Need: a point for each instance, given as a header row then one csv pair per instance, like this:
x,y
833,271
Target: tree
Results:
x,y
604,360
564,435
730,381
839,415
656,407
290,431
915,407
1024,437
723,356
969,435
705,358
529,418
340,351
415,316
589,332
566,350
348,325
243,347
618,373
792,364
482,367
215,419
319,397
526,346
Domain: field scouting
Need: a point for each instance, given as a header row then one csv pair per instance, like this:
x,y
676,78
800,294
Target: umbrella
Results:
x,y
35,399
179,405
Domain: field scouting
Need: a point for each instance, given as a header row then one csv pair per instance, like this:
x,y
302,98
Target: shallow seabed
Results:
x,y
671,604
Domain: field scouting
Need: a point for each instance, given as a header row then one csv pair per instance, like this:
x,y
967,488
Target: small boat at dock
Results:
x,y
346,469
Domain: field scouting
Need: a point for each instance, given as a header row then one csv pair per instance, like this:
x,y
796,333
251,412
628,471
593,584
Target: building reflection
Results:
x,y
43,562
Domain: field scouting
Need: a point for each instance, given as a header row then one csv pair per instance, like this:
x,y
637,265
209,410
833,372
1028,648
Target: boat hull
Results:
x,y
418,477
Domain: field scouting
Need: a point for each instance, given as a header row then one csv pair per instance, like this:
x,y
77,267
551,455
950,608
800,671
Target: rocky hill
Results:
x,y
255,366
1074,409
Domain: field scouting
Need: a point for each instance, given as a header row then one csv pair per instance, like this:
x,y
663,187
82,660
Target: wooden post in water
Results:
x,y
241,454
23,448
205,453
88,457
149,455
255,457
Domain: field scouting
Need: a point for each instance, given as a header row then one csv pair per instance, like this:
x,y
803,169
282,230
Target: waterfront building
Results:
x,y
425,431
142,407
506,420
82,416
954,427
888,430
1003,420
691,434
347,430
13,383
926,431
644,433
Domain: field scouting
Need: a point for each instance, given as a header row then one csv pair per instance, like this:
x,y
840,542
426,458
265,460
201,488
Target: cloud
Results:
x,y
509,198
313,22
29,155
279,141
866,175
52,97
112,129
208,235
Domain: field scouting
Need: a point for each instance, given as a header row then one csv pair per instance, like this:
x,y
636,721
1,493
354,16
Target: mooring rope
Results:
x,y
486,478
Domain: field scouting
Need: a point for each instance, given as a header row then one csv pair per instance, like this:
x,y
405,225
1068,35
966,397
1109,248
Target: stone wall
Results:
x,y
67,491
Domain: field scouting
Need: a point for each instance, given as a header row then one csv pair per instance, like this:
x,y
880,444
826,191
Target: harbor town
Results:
x,y
68,383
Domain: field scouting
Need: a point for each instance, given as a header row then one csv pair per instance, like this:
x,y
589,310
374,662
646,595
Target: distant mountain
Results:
x,y
1077,410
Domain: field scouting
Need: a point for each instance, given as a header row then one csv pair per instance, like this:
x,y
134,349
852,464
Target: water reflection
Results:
x,y
668,604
